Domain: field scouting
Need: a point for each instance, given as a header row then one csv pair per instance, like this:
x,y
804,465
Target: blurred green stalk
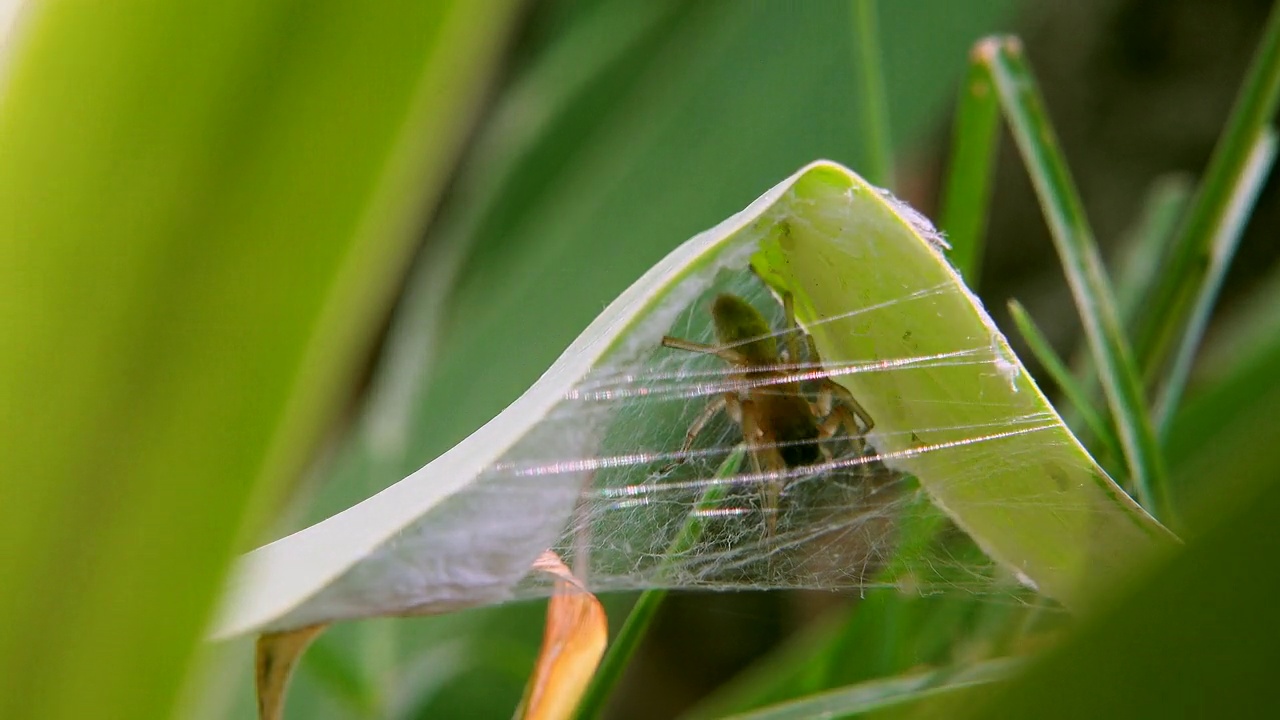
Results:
x,y
967,195
206,208
873,99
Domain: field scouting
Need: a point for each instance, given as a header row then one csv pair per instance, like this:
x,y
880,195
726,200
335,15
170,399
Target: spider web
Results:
x,y
602,479
652,515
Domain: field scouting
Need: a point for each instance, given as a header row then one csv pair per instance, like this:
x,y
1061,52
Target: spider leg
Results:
x,y
837,395
726,354
714,406
792,329
840,416
832,396
763,450
845,413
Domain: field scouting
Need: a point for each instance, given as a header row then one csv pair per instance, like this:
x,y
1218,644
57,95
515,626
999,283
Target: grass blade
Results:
x,y
968,188
1082,263
1057,369
1222,250
1222,441
873,101
948,687
1144,247
1182,275
642,613
1147,243
1126,662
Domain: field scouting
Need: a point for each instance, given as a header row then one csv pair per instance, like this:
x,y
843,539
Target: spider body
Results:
x,y
781,413
766,397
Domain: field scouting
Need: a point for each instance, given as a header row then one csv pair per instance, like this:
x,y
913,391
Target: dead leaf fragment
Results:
x,y
572,645
278,654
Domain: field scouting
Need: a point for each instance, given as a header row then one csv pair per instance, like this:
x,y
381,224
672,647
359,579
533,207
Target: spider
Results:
x,y
781,428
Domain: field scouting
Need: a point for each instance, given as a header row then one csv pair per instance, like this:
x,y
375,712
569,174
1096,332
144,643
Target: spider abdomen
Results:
x,y
791,424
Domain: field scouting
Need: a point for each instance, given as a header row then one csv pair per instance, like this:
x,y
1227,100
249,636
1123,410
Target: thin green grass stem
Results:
x,y
642,613
878,139
953,683
1148,241
1144,246
1057,369
1082,263
1222,250
967,196
1179,281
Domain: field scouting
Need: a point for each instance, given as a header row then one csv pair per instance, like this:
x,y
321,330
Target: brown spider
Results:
x,y
781,428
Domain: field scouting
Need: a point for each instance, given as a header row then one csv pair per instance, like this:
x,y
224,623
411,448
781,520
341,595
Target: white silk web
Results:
x,y
603,478
651,514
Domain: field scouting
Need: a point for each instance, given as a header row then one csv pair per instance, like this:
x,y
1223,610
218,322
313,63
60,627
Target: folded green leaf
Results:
x,y
590,460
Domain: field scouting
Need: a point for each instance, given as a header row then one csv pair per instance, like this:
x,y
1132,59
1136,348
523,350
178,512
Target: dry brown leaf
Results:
x,y
278,653
572,645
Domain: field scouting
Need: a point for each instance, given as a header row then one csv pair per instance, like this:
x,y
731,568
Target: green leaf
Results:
x,y
1194,640
990,407
625,128
952,407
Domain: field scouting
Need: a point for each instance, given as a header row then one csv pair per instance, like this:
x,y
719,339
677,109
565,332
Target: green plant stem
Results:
x,y
1183,273
939,691
874,102
642,613
1144,247
1147,242
1057,369
620,651
967,196
1244,193
1073,238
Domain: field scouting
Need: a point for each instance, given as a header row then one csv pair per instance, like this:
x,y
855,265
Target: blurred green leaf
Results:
x,y
731,97
1195,639
205,210
878,143
1145,243
1223,439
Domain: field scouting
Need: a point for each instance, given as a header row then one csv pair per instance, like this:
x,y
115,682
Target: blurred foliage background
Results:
x,y
613,130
